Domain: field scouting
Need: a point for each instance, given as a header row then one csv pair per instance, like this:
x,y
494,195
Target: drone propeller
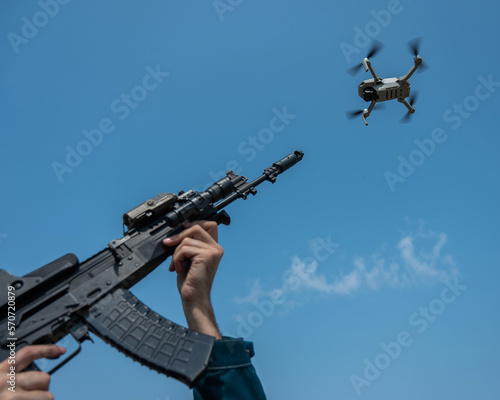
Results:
x,y
422,67
413,98
414,46
412,101
376,47
353,114
354,70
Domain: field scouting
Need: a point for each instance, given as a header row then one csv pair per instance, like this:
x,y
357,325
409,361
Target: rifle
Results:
x,y
68,297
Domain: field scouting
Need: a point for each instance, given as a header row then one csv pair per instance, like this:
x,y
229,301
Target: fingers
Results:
x,y
205,231
33,380
30,385
28,354
193,250
209,226
197,242
31,395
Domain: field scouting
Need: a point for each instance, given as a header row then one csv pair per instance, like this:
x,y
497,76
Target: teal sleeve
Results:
x,y
230,374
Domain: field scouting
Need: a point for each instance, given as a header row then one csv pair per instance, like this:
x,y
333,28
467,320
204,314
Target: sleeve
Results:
x,y
230,373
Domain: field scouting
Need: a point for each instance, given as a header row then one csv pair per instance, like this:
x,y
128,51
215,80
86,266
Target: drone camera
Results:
x,y
370,94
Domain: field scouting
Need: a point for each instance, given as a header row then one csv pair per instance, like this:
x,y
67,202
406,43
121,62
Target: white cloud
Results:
x,y
306,276
347,283
416,259
256,292
426,267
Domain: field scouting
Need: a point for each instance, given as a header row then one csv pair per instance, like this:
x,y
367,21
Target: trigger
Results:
x,y
52,364
80,332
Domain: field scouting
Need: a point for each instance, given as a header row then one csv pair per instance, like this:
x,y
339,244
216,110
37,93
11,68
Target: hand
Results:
x,y
196,260
29,385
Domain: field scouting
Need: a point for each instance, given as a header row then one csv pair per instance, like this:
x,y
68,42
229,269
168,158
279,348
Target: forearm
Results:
x,y
201,318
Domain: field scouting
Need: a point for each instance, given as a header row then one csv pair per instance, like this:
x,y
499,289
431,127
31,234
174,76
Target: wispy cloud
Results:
x,y
415,260
256,292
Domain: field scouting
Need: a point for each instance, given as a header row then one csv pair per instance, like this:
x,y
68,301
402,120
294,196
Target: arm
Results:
x,y
29,385
230,373
196,260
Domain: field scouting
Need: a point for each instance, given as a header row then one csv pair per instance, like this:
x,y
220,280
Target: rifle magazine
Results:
x,y
126,323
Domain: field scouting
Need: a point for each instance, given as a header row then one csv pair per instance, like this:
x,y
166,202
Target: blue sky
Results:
x,y
369,270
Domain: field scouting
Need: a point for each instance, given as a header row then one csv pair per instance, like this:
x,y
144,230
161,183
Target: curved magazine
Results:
x,y
126,323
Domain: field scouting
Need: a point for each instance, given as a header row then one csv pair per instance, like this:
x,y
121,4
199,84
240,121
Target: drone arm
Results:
x,y
411,110
405,77
367,111
368,66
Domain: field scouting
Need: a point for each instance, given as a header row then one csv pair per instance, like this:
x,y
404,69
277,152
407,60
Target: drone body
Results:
x,y
384,89
377,90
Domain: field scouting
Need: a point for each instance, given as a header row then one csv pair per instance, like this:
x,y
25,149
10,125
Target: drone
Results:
x,y
378,90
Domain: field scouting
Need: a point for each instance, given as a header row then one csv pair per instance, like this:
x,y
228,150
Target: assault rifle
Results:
x,y
68,297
